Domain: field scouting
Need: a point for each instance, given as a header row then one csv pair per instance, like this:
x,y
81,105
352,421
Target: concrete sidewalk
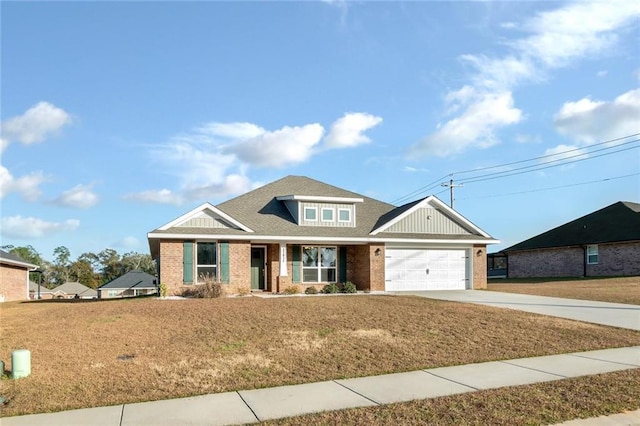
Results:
x,y
251,406
603,313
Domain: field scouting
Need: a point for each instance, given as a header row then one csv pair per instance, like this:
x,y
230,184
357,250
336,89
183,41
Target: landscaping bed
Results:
x,y
87,354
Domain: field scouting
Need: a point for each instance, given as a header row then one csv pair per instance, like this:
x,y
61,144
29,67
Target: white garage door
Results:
x,y
424,269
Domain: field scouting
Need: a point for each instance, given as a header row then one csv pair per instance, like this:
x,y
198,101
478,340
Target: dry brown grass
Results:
x,y
617,290
542,403
99,353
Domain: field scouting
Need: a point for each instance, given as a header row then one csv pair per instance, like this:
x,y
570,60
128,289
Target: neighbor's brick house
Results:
x,y
602,243
299,231
14,277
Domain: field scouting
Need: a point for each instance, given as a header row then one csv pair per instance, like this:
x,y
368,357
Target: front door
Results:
x,y
257,268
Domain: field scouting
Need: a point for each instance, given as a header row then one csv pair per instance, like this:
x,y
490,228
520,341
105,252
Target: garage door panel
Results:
x,y
425,269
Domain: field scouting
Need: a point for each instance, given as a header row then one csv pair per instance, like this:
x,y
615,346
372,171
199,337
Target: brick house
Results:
x,y
14,277
299,231
603,243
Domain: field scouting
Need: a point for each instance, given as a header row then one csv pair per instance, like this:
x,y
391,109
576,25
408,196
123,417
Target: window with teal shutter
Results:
x,y
224,262
187,262
295,264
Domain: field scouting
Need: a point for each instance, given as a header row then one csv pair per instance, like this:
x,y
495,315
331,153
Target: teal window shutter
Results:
x,y
342,255
295,264
224,262
187,262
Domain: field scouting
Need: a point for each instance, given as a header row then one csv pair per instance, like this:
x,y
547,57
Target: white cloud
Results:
x,y
211,161
233,184
577,30
347,131
36,124
564,152
524,138
587,121
554,39
80,196
283,147
602,73
157,196
4,143
31,227
476,126
28,187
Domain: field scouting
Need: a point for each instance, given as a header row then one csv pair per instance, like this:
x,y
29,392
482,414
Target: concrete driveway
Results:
x,y
604,313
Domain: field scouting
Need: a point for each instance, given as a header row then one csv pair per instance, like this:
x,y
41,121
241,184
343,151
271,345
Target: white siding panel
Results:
x,y
428,220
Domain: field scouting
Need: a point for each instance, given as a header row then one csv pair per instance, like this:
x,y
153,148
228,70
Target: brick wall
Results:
x,y
171,266
13,283
239,267
613,260
479,266
616,259
366,269
560,262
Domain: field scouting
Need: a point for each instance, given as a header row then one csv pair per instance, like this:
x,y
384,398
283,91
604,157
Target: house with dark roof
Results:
x,y
14,277
133,283
299,231
603,243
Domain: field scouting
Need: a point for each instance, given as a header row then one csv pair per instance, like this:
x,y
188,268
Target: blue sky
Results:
x,y
118,117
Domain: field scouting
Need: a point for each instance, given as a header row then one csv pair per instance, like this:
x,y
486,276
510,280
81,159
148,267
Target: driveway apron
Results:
x,y
604,313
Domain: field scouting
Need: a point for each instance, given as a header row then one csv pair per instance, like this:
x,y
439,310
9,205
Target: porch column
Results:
x,y
283,260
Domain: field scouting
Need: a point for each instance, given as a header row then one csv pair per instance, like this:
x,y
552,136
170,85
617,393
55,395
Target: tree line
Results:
x,y
90,269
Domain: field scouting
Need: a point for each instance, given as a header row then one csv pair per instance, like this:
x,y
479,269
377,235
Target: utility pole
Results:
x,y
451,186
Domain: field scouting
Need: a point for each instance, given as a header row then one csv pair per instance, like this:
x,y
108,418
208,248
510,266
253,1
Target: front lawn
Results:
x,y
616,290
99,353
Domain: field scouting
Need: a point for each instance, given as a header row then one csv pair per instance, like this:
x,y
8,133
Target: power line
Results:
x,y
586,147
534,167
551,188
505,174
563,160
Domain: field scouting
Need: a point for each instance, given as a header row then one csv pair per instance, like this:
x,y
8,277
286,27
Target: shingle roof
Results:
x,y
615,223
132,279
10,258
75,288
265,215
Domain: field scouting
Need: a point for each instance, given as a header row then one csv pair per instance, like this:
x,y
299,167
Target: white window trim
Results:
x,y
315,210
592,250
327,209
196,263
342,220
319,267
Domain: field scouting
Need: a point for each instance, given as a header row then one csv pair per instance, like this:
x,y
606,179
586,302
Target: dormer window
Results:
x,y
310,214
327,215
344,215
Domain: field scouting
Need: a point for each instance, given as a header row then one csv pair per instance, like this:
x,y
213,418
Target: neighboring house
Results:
x,y
299,231
131,284
603,243
37,291
71,290
14,277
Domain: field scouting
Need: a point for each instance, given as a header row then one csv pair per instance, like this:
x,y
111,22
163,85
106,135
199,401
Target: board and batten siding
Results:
x,y
204,220
336,208
428,220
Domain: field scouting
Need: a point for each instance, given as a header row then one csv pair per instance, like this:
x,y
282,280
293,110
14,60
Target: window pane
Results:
x,y
327,215
344,215
310,275
206,273
328,275
310,256
328,256
206,254
310,213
